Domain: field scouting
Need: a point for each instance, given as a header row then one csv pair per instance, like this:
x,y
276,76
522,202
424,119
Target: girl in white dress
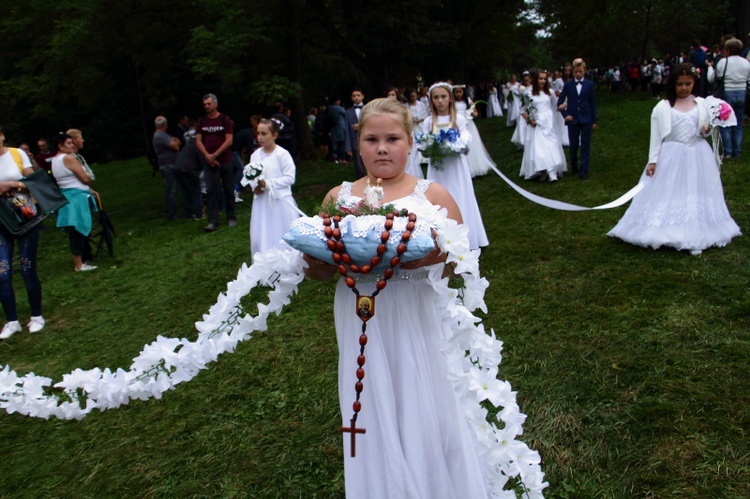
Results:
x,y
682,204
511,97
454,170
419,112
543,156
418,442
274,207
479,159
493,104
519,134
556,86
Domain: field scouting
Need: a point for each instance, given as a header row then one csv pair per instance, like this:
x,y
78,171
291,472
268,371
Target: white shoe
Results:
x,y
86,267
10,329
696,252
36,324
237,198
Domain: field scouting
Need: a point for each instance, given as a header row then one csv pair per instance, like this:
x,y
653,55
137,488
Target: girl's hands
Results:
x,y
260,188
650,169
705,129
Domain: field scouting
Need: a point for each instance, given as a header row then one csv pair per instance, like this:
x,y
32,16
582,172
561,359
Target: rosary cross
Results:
x,y
353,430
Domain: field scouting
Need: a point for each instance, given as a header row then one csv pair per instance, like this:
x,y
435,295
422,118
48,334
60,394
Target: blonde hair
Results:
x,y
386,106
451,105
74,133
578,62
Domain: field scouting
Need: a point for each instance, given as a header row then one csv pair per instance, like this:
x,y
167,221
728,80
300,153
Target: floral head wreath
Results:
x,y
440,84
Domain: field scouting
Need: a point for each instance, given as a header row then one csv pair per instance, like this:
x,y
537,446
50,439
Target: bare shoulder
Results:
x,y
439,195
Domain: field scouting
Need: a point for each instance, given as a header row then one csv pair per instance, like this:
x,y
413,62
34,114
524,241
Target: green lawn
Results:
x,y
630,363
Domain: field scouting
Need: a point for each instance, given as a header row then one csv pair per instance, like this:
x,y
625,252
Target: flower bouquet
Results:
x,y
251,175
720,114
438,146
470,110
527,103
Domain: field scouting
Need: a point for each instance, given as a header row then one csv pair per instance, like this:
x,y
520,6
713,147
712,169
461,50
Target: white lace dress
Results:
x,y
683,204
418,443
455,177
543,150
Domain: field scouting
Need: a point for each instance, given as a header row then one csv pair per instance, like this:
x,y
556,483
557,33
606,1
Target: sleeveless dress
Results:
x,y
682,205
543,150
455,177
479,159
418,443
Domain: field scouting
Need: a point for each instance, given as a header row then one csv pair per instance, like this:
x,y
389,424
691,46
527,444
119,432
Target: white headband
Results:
x,y
440,84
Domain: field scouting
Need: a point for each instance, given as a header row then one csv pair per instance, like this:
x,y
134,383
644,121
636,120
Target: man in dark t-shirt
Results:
x,y
213,139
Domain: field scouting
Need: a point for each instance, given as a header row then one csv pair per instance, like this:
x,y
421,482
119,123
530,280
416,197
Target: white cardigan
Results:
x,y
661,125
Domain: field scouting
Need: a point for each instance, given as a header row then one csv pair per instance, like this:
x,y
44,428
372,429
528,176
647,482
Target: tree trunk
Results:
x,y
294,72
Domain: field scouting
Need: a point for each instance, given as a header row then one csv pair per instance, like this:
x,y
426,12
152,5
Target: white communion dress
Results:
x,y
479,159
543,150
418,443
274,209
455,177
682,205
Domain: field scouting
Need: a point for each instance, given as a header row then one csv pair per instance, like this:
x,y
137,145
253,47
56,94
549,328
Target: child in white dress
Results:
x,y
682,204
274,207
543,156
453,173
479,159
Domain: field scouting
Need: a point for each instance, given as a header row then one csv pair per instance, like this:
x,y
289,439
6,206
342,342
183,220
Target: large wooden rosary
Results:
x,y
365,305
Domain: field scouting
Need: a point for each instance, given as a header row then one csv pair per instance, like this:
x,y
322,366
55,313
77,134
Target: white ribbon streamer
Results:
x,y
560,205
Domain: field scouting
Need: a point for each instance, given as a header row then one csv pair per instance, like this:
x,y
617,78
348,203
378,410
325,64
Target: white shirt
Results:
x,y
9,168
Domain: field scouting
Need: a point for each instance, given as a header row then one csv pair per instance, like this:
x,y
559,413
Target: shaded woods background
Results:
x,y
108,67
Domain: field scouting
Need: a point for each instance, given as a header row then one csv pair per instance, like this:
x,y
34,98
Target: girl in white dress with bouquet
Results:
x,y
453,171
419,112
274,207
543,156
682,204
419,439
519,134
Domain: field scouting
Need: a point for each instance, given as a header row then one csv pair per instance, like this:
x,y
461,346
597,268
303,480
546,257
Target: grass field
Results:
x,y
630,363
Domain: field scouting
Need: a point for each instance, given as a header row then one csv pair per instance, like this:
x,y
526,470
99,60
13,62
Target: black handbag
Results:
x,y
18,219
717,89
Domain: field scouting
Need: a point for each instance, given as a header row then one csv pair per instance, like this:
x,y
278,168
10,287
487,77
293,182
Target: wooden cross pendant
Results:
x,y
353,430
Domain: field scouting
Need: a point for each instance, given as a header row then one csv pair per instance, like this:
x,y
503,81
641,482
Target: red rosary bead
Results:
x,y
362,340
385,236
388,273
401,249
406,235
365,269
381,285
381,249
360,373
357,406
361,360
395,261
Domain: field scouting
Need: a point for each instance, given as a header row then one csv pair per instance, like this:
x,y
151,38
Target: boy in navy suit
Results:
x,y
580,116
352,131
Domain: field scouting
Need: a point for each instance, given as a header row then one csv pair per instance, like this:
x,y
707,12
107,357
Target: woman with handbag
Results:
x,y
75,217
14,165
734,72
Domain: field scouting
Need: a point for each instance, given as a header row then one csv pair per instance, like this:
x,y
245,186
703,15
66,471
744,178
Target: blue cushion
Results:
x,y
361,237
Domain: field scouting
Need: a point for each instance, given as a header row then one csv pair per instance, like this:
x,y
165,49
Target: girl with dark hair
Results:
x,y
14,165
274,207
682,203
479,159
543,156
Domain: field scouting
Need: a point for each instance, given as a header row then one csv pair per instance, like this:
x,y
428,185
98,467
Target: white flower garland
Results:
x,y
473,358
